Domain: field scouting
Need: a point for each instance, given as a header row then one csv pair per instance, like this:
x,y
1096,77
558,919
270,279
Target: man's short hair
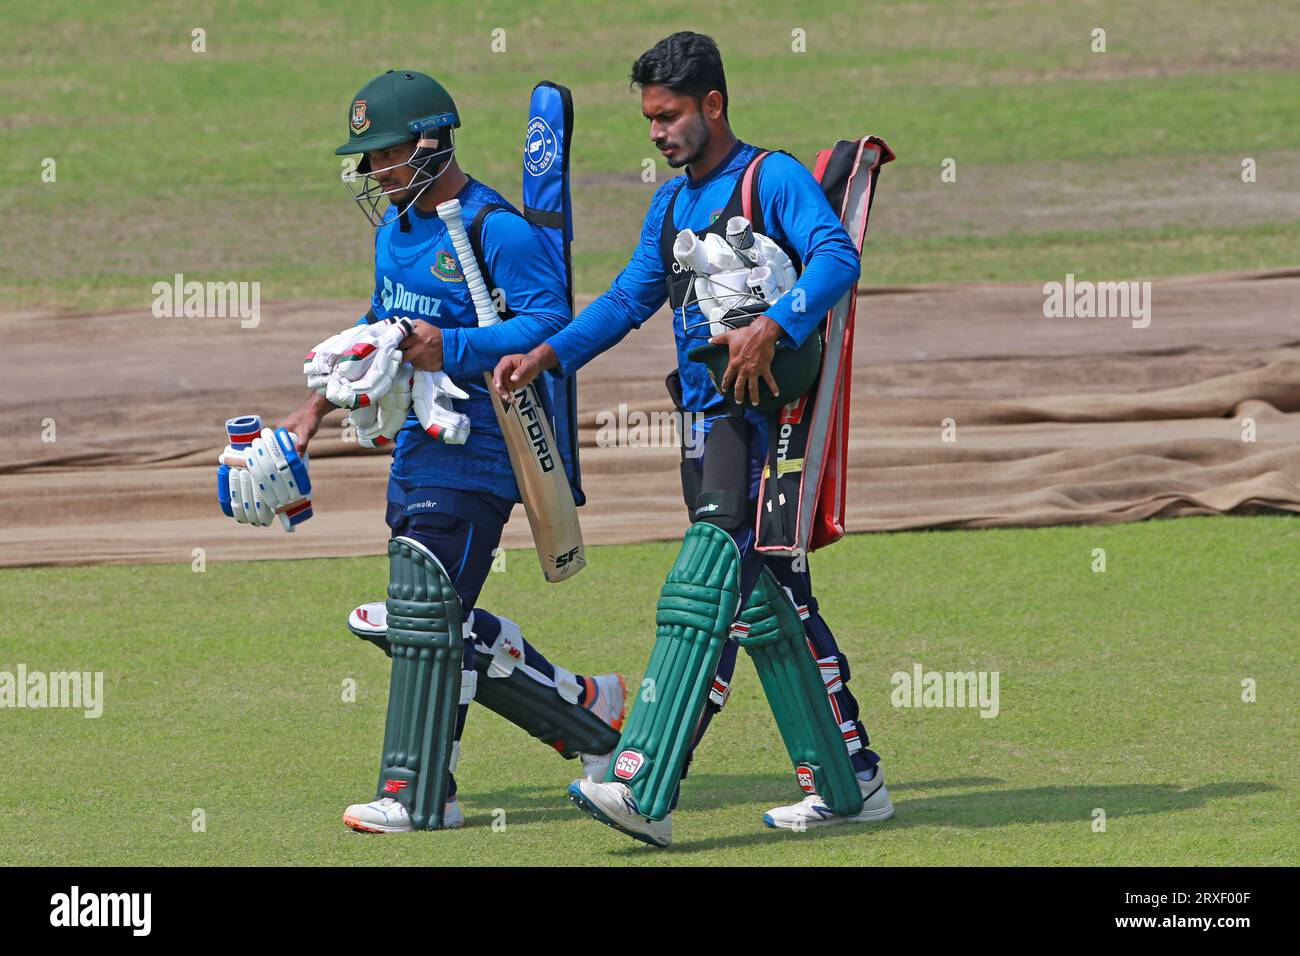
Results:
x,y
686,63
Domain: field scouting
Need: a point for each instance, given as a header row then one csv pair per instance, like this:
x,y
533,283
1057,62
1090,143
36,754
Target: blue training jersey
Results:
x,y
795,213
417,275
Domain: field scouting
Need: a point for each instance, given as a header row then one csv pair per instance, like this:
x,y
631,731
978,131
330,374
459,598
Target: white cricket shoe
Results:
x,y
387,815
613,805
607,698
812,811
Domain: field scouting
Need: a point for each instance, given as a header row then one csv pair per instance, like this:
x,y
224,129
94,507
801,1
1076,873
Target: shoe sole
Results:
x,y
582,803
362,827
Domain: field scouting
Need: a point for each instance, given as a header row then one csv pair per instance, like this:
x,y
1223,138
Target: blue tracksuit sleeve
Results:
x,y
636,294
534,290
797,213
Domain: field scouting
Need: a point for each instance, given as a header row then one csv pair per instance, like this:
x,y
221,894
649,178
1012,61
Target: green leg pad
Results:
x,y
696,609
794,688
424,632
571,729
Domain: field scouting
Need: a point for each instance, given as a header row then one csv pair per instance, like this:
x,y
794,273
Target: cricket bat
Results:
x,y
534,455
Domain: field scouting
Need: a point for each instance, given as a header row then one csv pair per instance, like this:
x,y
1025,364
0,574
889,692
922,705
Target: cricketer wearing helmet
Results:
x,y
450,490
722,593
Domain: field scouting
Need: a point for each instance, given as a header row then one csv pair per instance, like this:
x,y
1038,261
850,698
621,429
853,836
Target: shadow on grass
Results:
x,y
538,804
983,808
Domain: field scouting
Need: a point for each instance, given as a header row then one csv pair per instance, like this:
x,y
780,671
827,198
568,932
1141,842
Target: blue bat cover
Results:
x,y
548,206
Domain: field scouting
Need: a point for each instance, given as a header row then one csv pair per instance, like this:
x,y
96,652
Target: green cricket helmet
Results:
x,y
794,369
394,108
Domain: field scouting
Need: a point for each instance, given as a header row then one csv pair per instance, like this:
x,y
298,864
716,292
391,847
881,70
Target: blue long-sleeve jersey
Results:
x,y
796,214
417,275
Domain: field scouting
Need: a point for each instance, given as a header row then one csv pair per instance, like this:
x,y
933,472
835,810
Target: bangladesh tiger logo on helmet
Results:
x,y
359,121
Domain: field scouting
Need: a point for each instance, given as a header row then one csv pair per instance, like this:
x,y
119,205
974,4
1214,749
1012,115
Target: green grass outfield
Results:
x,y
1119,690
220,164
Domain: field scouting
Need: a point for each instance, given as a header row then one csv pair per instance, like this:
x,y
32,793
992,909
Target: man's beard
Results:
x,y
694,143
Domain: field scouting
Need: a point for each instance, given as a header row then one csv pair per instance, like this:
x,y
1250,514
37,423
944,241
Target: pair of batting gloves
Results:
x,y
361,369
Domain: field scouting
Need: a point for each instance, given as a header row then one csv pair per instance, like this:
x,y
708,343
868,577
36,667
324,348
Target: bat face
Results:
x,y
539,472
529,414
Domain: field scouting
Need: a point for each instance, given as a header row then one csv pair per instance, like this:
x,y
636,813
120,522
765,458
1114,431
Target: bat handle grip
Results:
x,y
450,213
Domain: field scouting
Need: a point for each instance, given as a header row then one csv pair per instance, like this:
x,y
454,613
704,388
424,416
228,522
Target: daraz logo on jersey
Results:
x,y
446,268
402,299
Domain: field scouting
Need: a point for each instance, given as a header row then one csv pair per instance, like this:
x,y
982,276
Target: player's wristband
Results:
x,y
241,431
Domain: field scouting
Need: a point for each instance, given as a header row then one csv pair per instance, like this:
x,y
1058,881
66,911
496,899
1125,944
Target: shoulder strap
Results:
x,y
752,209
475,232
668,231
749,191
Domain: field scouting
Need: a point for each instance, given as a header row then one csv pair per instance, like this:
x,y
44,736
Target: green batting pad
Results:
x,y
424,632
570,729
793,684
696,608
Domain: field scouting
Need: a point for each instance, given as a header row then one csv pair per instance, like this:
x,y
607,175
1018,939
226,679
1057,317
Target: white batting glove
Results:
x,y
323,357
377,425
245,504
432,402
267,480
356,367
378,378
760,250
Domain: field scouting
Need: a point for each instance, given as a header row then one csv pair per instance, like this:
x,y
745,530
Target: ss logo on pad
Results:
x,y
627,764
